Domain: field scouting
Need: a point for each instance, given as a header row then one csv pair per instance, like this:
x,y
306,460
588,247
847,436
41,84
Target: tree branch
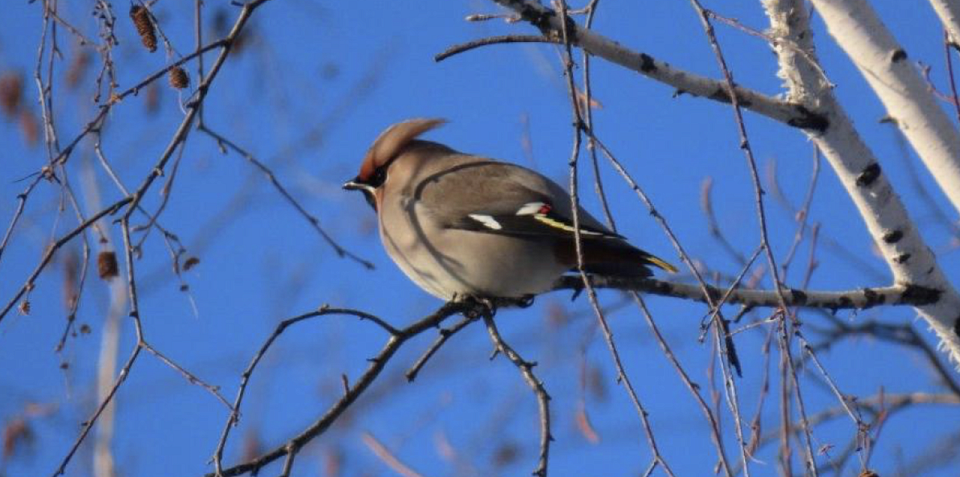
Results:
x,y
859,299
949,13
352,393
548,22
883,63
909,258
494,40
536,385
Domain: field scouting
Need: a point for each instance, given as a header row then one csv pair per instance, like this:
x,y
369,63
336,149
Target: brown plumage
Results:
x,y
459,224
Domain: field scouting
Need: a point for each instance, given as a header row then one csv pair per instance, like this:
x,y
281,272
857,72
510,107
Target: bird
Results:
x,y
460,225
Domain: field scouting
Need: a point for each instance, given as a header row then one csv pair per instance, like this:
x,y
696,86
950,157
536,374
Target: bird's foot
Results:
x,y
474,307
525,301
478,306
578,288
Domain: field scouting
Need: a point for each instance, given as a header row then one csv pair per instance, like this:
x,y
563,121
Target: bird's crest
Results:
x,y
390,142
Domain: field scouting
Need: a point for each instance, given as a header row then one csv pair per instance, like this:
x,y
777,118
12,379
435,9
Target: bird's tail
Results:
x,y
659,262
615,257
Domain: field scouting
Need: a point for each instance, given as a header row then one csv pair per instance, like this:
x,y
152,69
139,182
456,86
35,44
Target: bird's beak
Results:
x,y
369,192
354,184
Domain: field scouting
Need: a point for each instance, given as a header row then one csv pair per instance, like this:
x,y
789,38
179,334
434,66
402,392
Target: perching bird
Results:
x,y
462,226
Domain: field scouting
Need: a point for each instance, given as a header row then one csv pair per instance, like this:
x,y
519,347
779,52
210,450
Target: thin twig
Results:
x,y
128,365
445,334
580,126
713,226
493,40
313,220
190,377
388,457
536,385
784,338
21,204
376,365
183,130
52,250
803,214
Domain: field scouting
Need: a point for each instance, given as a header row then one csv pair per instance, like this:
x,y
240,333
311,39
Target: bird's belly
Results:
x,y
457,262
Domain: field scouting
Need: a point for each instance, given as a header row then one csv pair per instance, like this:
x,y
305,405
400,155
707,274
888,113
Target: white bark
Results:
x,y
684,81
949,13
103,462
908,257
884,64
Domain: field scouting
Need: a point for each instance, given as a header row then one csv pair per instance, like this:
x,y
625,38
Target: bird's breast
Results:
x,y
450,262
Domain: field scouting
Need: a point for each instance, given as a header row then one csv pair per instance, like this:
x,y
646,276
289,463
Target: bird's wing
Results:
x,y
499,198
486,196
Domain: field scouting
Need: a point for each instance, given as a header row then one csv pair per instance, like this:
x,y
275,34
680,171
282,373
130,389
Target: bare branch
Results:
x,y
851,299
543,399
494,40
352,393
550,26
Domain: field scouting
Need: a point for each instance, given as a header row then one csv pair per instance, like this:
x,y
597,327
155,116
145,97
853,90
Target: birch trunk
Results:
x,y
949,13
873,49
895,234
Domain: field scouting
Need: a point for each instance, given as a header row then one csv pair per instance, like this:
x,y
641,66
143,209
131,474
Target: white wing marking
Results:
x,y
487,221
531,208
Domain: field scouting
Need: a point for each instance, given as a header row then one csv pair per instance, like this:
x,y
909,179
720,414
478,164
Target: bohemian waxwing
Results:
x,y
468,226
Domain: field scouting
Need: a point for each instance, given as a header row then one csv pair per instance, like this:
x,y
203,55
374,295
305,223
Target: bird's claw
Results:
x,y
478,306
577,290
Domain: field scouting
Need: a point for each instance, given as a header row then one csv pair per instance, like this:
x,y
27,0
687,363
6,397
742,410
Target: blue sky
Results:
x,y
313,87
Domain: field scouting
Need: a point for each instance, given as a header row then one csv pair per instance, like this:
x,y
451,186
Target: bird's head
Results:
x,y
385,149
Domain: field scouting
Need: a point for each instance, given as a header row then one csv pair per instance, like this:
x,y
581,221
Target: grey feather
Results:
x,y
487,187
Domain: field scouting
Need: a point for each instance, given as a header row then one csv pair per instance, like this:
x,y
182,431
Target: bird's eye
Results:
x,y
379,176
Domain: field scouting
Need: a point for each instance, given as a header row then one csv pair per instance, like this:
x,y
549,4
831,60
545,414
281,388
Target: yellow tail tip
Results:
x,y
662,264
